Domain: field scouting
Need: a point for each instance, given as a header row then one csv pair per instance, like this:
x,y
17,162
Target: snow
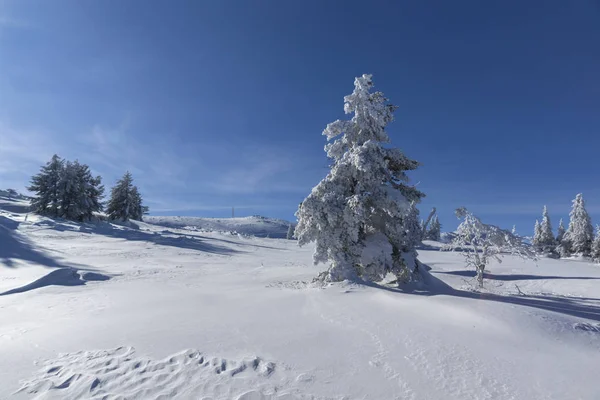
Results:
x,y
254,225
179,313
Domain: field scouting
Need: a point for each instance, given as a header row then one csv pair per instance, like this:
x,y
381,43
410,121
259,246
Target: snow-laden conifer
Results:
x,y
596,245
45,185
560,233
580,233
67,189
546,235
537,236
435,229
356,215
125,201
290,232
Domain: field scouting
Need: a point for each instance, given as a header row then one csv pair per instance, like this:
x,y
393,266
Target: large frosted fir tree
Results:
x,y
125,201
580,233
356,215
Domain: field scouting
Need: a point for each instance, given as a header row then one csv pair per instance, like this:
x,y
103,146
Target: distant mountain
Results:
x,y
256,225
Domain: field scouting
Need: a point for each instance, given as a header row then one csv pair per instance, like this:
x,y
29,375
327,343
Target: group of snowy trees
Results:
x,y
577,239
67,189
363,215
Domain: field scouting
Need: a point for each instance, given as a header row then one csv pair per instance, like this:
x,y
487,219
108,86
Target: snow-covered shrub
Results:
x,y
357,215
481,243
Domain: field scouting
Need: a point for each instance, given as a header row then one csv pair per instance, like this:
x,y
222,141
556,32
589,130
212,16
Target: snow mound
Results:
x,y
189,374
60,277
254,226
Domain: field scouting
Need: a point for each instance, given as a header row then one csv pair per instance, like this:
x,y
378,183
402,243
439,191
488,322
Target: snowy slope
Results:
x,y
254,226
148,313
20,205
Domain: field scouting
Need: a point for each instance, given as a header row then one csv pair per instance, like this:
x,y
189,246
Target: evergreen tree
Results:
x,y
290,232
125,201
356,215
537,236
67,189
45,185
596,245
546,239
561,232
580,233
412,228
435,229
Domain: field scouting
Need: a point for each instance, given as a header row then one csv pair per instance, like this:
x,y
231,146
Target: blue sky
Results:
x,y
218,103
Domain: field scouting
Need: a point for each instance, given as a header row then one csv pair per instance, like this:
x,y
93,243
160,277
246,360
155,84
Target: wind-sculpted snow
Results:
x,y
60,277
121,374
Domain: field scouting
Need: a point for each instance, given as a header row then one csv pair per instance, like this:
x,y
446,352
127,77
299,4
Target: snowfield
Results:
x,y
255,225
140,312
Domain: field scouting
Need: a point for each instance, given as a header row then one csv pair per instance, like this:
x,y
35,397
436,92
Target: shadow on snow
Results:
x,y
512,277
573,306
130,231
14,246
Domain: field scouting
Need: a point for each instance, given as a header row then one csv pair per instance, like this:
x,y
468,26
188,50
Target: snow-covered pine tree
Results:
x,y
125,201
537,236
596,245
481,243
290,232
547,241
435,229
45,185
137,207
580,233
560,232
356,215
412,228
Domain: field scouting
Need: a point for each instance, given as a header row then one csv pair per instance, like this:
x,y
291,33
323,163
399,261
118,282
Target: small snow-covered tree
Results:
x,y
543,239
596,245
357,214
537,234
435,229
45,185
580,233
481,243
425,224
560,232
290,232
125,200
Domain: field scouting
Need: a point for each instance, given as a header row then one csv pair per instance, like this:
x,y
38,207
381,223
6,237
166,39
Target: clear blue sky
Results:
x,y
218,103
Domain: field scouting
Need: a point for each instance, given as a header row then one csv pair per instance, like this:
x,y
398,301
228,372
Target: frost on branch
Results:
x,y
482,243
357,215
